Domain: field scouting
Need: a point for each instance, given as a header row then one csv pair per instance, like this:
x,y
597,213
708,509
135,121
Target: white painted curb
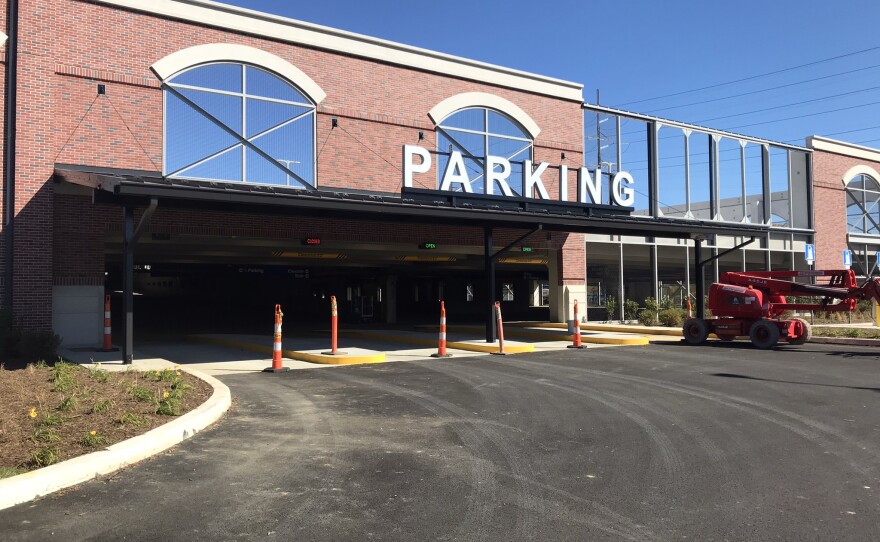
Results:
x,y
30,485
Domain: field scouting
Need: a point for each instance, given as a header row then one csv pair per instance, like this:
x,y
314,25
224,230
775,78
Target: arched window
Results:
x,y
232,121
478,132
863,205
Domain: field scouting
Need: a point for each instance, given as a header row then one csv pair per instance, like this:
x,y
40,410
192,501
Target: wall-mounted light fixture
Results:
x,y
102,89
421,135
563,155
334,122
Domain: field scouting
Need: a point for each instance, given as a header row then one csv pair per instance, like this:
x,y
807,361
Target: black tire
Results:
x,y
764,334
808,333
695,331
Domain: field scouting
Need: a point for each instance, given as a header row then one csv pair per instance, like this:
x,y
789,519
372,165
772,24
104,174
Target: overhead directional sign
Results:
x,y
847,258
810,253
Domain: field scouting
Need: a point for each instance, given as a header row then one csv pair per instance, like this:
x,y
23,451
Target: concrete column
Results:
x,y
557,307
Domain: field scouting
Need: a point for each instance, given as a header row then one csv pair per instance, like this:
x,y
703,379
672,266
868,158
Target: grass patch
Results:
x,y
100,375
142,394
52,418
130,418
9,472
62,377
45,434
92,439
102,406
851,332
68,403
43,457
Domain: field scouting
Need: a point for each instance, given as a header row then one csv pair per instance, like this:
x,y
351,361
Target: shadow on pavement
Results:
x,y
746,377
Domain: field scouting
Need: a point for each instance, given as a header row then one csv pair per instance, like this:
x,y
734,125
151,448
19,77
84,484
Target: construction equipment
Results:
x,y
752,304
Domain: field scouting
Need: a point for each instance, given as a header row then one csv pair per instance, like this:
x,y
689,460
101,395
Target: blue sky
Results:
x,y
638,50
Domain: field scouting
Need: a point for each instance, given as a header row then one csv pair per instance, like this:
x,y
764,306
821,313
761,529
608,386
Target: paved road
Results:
x,y
663,442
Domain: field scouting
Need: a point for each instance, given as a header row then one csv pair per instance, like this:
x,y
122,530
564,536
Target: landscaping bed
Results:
x,y
53,413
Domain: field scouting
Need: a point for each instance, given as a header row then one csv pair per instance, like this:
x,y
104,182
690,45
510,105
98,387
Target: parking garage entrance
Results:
x,y
183,265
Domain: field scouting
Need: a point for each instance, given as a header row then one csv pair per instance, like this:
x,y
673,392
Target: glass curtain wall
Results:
x,y
699,174
612,261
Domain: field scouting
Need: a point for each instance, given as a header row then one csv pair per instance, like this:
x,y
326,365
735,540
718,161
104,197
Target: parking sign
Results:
x,y
810,253
847,258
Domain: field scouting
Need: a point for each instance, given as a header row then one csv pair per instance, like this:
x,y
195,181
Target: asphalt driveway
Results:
x,y
663,442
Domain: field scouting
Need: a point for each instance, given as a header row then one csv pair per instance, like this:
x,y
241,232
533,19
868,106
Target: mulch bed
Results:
x,y
46,418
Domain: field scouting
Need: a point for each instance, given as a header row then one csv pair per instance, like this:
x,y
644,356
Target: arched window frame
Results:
x,y
864,200
183,61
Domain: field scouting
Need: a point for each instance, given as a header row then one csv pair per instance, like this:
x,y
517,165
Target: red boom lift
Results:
x,y
751,304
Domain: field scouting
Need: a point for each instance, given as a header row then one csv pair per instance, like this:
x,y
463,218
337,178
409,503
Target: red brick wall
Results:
x,y
830,205
67,47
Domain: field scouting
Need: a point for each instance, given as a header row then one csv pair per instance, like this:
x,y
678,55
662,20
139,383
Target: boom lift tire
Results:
x,y
695,331
764,334
808,333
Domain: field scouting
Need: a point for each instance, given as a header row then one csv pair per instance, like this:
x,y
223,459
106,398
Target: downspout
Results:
x,y
9,149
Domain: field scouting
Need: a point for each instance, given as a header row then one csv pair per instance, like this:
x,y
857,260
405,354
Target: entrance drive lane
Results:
x,y
722,442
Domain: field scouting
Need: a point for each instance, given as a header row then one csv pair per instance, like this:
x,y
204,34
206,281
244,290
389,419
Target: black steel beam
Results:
x,y
9,150
128,283
145,219
698,269
489,268
728,251
518,240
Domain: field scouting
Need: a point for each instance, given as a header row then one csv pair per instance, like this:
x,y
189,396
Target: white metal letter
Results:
x,y
620,189
591,185
409,151
563,183
456,173
532,180
493,175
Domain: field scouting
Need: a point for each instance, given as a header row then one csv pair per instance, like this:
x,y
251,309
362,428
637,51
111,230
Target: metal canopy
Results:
x,y
138,188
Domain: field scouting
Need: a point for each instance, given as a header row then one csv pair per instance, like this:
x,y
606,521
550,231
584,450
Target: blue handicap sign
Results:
x,y
847,258
810,253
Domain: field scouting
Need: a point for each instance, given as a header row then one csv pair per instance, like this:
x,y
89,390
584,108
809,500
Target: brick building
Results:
x,y
217,160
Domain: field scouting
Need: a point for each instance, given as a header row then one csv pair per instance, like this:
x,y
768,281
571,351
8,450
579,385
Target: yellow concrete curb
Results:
x,y
620,341
538,336
470,347
493,347
327,359
613,329
324,359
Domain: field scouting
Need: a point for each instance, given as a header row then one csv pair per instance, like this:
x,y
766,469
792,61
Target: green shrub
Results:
x,y
630,309
611,307
667,303
648,318
37,344
651,305
671,317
